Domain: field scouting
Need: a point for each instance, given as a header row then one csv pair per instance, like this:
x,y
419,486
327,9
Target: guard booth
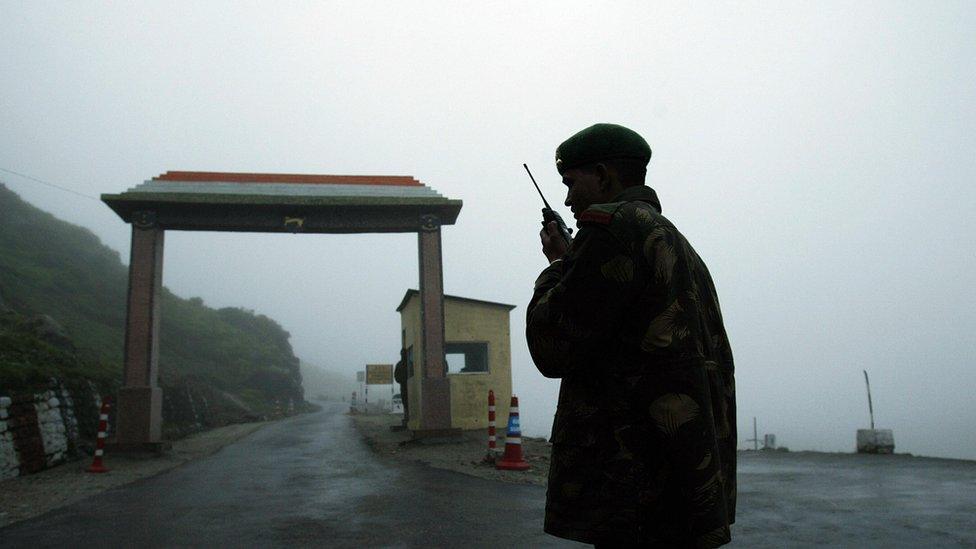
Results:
x,y
478,358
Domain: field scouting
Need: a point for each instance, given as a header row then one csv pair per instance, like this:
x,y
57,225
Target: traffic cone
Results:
x,y
512,460
97,466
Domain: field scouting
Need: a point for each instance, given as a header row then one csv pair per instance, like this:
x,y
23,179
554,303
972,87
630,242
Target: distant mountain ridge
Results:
x,y
51,267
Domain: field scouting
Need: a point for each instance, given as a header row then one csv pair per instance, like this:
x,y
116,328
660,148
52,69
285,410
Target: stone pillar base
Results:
x,y
437,436
140,416
435,412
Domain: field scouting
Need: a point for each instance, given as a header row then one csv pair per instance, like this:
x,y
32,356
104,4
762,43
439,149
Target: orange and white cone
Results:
x,y
512,459
97,466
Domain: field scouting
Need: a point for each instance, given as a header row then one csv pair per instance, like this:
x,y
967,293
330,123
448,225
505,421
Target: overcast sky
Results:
x,y
819,156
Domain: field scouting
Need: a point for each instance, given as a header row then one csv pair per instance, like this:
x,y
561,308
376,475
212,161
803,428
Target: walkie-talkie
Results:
x,y
548,214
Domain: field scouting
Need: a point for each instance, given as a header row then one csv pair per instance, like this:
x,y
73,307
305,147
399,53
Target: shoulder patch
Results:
x,y
600,214
595,216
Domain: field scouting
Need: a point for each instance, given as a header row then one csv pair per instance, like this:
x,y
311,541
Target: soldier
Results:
x,y
400,375
643,442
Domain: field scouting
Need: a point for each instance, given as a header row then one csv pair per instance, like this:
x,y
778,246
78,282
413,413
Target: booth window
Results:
x,y
467,358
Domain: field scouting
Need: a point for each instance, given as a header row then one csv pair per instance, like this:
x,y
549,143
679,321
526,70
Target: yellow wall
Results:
x,y
467,321
410,323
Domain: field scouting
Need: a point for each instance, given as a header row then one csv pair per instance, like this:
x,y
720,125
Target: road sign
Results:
x,y
360,377
379,374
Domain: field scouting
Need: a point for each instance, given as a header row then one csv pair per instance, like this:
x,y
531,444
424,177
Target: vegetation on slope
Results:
x,y
50,267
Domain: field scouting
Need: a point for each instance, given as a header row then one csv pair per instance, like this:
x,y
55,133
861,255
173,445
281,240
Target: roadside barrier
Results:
x,y
97,466
492,450
512,460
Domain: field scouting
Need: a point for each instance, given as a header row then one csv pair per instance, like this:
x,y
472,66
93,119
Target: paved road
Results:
x,y
849,500
306,481
310,481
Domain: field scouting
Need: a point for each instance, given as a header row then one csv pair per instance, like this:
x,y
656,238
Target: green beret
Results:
x,y
601,142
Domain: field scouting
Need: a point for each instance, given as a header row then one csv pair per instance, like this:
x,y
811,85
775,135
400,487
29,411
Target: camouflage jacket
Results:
x,y
644,436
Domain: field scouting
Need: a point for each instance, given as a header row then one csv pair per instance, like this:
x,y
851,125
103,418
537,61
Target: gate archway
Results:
x,y
251,202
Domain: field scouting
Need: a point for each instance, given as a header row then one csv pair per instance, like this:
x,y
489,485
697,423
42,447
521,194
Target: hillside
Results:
x,y
232,357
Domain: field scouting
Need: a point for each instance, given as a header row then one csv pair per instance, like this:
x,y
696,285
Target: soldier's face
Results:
x,y
583,189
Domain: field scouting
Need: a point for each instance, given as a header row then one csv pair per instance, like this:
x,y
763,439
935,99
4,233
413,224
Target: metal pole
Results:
x,y
755,435
870,406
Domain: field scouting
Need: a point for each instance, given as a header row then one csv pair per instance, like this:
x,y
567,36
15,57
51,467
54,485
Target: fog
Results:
x,y
819,156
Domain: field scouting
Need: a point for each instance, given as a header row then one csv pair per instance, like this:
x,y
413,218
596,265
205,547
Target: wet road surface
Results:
x,y
311,481
811,499
305,481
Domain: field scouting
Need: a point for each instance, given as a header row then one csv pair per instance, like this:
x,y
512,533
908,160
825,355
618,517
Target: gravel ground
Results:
x,y
32,495
463,456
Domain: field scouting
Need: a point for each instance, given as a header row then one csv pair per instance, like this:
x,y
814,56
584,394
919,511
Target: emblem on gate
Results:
x,y
144,220
295,223
429,222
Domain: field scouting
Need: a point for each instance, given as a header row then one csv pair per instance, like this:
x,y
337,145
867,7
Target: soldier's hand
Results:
x,y
553,245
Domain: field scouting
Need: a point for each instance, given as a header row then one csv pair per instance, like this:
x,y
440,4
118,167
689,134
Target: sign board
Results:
x,y
379,374
360,376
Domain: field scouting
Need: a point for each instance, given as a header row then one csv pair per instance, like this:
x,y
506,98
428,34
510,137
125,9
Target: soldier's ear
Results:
x,y
603,176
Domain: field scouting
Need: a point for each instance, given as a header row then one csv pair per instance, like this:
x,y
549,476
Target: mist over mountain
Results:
x,y
57,280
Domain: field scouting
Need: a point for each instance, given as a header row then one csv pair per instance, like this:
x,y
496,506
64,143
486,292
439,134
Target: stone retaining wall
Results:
x,y
37,431
42,429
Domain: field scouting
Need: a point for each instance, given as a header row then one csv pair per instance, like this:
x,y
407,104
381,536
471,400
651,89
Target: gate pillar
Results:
x,y
435,389
140,401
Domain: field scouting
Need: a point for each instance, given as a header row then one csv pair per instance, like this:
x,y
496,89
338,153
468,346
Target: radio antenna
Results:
x,y
526,166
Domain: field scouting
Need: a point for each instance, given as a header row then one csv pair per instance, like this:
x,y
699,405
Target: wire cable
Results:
x,y
49,184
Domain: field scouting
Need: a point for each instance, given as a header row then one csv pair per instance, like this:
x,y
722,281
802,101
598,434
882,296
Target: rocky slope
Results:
x,y
62,313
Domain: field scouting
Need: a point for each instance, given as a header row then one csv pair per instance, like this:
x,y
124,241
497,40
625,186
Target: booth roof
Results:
x,y
411,292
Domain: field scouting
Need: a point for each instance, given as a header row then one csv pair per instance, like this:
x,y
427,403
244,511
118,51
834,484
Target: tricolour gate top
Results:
x,y
216,201
213,201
